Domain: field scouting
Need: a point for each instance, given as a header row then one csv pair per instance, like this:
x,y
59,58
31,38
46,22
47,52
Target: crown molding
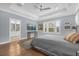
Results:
x,y
17,13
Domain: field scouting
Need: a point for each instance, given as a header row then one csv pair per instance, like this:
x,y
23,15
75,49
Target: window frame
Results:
x,y
46,27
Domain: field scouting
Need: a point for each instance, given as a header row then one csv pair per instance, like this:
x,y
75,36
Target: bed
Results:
x,y
55,45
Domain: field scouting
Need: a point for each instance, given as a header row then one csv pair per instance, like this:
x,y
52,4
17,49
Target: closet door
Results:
x,y
15,29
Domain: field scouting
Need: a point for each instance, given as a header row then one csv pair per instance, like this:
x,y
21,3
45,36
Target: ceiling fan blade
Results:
x,y
20,4
45,8
41,9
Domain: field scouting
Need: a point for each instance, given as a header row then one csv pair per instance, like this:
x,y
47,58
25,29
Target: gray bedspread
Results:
x,y
56,45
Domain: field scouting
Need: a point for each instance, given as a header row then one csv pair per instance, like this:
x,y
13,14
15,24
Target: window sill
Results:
x,y
52,33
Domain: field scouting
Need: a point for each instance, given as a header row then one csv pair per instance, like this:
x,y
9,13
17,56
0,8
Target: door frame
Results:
x,y
15,27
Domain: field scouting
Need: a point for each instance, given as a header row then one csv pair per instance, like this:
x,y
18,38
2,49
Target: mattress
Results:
x,y
56,44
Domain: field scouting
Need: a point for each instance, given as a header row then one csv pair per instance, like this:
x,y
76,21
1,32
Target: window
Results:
x,y
12,27
31,27
40,27
17,27
53,26
49,26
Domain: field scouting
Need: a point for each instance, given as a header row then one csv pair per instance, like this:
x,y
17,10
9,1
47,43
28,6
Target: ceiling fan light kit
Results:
x,y
41,7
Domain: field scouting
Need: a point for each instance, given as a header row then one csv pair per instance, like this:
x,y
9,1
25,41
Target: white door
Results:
x,y
15,29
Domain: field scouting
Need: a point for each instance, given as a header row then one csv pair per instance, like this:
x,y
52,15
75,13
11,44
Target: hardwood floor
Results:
x,y
15,49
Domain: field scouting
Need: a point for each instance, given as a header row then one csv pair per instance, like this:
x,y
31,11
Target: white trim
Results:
x,y
5,42
19,10
10,41
34,18
19,14
15,27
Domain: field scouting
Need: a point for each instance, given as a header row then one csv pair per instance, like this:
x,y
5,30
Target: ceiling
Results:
x,y
30,11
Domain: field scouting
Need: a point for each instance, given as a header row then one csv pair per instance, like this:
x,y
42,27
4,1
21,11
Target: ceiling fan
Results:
x,y
41,7
20,4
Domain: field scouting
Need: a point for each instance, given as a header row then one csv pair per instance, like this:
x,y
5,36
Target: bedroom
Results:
x,y
34,29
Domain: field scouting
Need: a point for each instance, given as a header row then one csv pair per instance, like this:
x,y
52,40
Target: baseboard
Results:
x,y
4,42
10,41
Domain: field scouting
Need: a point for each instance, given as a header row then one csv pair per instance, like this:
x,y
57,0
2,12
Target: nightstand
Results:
x,y
27,44
31,35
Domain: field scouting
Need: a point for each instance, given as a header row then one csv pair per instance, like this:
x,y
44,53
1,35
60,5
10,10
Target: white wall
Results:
x,y
63,20
77,20
72,21
4,25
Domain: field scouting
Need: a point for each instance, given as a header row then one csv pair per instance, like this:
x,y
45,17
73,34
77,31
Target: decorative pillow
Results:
x,y
72,37
67,37
76,39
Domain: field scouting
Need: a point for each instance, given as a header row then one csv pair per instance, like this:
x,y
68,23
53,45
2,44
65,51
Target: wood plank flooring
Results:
x,y
15,49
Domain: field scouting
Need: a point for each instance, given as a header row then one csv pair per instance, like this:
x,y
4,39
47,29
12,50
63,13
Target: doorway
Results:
x,y
15,29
